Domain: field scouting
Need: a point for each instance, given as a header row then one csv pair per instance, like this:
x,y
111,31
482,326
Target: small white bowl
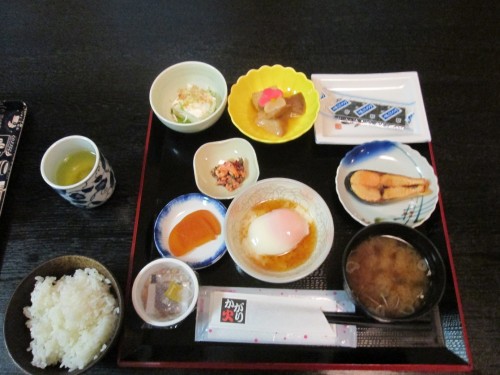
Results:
x,y
176,210
167,84
212,154
184,276
308,201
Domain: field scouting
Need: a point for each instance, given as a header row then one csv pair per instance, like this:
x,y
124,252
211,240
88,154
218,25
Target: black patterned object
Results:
x,y
12,115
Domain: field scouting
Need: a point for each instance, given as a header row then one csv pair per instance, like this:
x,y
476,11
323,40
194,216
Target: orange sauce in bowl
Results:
x,y
194,230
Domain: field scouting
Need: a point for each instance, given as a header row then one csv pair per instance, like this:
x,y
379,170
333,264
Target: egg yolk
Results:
x,y
194,230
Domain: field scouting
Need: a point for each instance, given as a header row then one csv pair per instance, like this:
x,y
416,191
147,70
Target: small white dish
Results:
x,y
212,154
308,202
178,208
390,157
166,85
165,271
401,87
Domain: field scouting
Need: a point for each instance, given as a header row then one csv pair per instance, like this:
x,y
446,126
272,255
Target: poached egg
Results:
x,y
277,232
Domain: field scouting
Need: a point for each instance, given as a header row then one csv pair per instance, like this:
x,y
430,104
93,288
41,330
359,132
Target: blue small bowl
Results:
x,y
178,208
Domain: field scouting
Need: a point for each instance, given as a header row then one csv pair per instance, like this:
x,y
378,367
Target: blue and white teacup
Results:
x,y
93,189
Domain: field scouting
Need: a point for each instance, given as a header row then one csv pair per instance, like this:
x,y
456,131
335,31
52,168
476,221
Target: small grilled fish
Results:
x,y
379,187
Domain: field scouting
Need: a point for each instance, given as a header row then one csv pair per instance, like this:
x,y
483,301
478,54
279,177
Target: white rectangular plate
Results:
x,y
402,87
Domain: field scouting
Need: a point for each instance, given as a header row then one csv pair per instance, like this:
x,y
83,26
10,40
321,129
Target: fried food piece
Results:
x,y
399,192
366,178
379,187
369,194
389,180
297,104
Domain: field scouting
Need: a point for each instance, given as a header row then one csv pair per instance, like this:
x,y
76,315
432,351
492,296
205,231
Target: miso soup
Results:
x,y
388,276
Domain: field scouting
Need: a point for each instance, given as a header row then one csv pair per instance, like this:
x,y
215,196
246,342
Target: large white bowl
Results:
x,y
211,154
167,84
272,189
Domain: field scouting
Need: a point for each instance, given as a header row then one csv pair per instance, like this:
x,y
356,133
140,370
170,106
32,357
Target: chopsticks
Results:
x,y
365,321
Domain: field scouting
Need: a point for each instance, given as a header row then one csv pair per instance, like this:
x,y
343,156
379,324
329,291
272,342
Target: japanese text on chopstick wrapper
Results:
x,y
233,310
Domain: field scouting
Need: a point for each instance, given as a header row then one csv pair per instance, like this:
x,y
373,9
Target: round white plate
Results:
x,y
178,208
390,157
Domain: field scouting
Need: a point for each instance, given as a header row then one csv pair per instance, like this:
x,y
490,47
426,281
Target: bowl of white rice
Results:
x,y
63,317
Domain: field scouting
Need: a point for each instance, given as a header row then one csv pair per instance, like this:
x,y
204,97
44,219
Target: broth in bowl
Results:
x,y
393,272
388,276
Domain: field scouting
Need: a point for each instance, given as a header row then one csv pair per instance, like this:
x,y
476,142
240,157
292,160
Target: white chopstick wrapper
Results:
x,y
272,316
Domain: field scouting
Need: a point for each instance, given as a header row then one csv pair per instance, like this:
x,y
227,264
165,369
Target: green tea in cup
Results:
x,y
75,167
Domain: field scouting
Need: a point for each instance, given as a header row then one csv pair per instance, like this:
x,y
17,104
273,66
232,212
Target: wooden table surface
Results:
x,y
86,68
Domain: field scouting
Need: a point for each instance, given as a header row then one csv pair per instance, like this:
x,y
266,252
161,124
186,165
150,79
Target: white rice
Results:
x,y
70,319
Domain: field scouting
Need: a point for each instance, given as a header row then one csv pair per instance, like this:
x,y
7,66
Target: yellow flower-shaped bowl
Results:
x,y
243,113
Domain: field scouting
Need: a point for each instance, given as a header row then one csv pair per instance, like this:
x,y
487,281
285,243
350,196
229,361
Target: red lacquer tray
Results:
x,y
168,172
